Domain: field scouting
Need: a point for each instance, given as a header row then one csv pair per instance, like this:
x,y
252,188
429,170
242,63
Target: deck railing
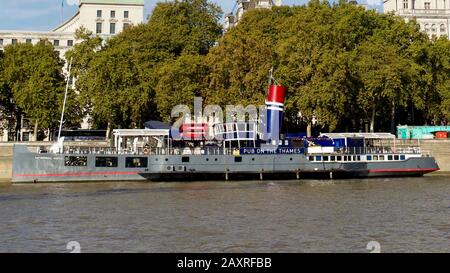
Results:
x,y
228,151
149,151
380,150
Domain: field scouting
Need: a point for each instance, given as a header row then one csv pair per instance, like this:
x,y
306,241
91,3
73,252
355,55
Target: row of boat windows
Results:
x,y
130,162
142,162
346,158
106,162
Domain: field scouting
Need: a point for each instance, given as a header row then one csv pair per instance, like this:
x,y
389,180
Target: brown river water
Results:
x,y
402,215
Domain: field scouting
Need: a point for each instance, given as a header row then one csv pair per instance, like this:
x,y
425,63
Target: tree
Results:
x,y
386,79
34,75
240,63
122,79
179,82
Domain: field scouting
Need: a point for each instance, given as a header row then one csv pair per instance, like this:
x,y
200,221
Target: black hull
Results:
x,y
189,177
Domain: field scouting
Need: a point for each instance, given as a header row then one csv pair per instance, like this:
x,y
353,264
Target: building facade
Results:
x,y
433,16
243,6
104,18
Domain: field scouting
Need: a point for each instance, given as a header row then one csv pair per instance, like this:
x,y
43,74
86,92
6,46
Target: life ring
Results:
x,y
146,151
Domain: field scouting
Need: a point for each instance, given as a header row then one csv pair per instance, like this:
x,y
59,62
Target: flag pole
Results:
x,y
65,100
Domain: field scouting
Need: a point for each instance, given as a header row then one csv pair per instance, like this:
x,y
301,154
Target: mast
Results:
x,y
65,99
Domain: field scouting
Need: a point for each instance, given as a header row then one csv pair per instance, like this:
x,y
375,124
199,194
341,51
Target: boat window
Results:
x,y
381,157
106,162
355,158
318,158
136,162
390,157
402,157
345,158
75,161
396,157
185,159
369,157
238,159
375,157
311,158
349,158
332,158
359,158
325,158
339,158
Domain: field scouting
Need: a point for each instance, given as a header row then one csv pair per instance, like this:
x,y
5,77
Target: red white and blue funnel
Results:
x,y
275,109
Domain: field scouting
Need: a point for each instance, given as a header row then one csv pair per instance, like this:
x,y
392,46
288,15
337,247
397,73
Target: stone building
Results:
x,y
242,6
433,16
105,18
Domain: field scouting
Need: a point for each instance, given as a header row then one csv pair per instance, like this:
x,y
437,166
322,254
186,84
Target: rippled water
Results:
x,y
403,215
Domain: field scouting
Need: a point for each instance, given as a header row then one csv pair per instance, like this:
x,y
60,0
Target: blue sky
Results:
x,y
43,15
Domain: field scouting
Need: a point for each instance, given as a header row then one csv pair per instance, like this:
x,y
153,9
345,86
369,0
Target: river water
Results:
x,y
402,215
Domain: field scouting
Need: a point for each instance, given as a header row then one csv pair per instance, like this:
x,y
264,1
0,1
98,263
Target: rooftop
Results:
x,y
113,2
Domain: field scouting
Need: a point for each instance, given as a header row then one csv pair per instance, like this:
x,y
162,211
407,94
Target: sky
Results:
x,y
44,15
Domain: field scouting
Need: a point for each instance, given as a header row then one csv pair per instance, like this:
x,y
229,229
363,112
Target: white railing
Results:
x,y
424,11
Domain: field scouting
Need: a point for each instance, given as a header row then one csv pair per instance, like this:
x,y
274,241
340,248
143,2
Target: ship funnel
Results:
x,y
275,109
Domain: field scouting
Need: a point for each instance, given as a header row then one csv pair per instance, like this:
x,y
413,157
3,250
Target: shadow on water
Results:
x,y
180,186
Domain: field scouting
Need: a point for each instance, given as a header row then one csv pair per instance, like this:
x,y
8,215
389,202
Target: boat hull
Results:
x,y
30,167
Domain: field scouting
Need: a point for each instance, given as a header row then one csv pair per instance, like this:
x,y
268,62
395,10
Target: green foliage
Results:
x,y
34,83
124,80
344,66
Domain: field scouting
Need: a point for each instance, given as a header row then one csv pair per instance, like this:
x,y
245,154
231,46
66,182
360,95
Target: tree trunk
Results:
x,y
108,131
18,126
35,136
309,129
372,120
393,118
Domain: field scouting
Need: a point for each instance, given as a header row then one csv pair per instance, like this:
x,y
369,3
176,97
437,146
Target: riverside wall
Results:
x,y
440,149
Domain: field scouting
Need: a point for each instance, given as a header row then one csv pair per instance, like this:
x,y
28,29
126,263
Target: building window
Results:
x,y
69,42
14,41
442,28
427,5
1,42
99,14
126,14
99,28
112,28
28,41
126,25
405,4
113,14
433,28
56,43
426,28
